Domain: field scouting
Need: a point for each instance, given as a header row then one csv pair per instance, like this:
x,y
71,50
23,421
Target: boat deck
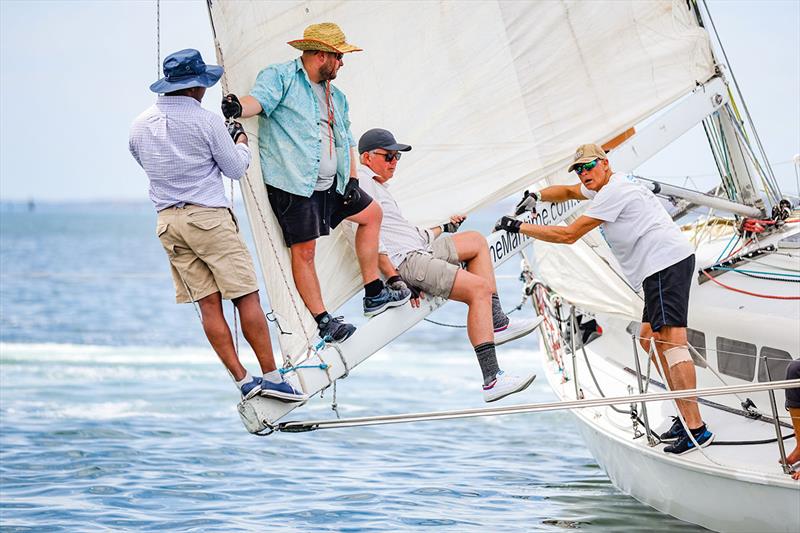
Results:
x,y
755,461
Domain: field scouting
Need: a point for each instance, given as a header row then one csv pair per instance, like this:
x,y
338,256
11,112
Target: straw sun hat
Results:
x,y
326,37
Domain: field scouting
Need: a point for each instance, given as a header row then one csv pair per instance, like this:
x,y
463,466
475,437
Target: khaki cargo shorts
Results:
x,y
435,273
205,252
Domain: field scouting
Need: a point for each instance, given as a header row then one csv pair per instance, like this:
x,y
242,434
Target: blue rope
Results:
x,y
734,236
322,366
756,272
317,347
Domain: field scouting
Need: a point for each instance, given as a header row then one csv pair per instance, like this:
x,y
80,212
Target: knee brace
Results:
x,y
676,355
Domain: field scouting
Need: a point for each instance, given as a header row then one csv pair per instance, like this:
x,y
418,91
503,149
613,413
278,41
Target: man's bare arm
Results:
x,y
561,193
250,106
561,234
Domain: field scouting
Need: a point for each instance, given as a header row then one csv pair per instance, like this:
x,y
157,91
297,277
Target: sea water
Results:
x,y
116,415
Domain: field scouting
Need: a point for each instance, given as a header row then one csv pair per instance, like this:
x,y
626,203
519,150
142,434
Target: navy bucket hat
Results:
x,y
186,69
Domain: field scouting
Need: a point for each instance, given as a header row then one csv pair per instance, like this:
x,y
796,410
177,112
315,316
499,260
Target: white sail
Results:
x,y
492,95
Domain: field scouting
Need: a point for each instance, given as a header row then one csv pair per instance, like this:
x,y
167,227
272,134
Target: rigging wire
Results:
x,y
796,162
158,39
256,202
739,91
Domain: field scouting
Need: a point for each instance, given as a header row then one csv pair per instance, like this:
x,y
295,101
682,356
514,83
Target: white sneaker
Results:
x,y
505,384
516,328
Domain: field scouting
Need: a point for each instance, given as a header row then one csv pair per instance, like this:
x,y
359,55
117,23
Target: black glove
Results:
x,y
235,129
528,203
451,227
231,106
352,193
509,224
397,283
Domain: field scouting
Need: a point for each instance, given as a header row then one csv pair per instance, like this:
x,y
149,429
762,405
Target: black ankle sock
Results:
x,y
320,316
699,431
373,288
487,360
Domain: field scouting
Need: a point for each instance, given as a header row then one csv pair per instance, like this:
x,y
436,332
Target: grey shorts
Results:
x,y
435,273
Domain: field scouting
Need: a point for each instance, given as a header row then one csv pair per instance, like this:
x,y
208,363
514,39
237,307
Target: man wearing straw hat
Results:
x,y
654,255
184,150
308,163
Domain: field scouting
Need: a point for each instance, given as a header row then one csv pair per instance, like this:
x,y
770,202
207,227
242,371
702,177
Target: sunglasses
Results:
x,y
585,167
338,56
388,157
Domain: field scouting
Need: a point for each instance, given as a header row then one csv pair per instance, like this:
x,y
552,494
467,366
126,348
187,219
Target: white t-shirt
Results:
x,y
399,237
642,235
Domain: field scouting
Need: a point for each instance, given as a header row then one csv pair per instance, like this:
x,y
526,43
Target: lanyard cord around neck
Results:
x,y
329,101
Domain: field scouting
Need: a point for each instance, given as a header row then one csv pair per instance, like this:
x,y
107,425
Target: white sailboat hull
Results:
x,y
710,499
735,487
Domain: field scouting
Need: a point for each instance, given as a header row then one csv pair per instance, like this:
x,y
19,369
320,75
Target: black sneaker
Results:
x,y
673,433
375,305
334,329
685,445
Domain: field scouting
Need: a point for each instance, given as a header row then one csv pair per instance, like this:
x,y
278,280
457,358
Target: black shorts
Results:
x,y
793,395
666,295
306,218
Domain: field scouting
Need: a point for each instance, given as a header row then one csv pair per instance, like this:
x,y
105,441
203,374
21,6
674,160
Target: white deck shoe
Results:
x,y
516,328
506,384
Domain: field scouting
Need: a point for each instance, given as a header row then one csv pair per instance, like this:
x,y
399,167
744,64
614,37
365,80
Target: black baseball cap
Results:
x,y
378,138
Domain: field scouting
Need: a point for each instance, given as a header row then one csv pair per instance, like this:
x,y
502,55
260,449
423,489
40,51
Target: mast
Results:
x,y
742,167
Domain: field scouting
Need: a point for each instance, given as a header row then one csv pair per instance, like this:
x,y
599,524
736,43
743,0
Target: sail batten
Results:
x,y
492,95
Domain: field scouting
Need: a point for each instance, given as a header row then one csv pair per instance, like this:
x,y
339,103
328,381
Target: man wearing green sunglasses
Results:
x,y
654,255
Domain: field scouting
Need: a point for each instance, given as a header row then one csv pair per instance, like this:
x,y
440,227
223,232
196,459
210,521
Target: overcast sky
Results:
x,y
75,74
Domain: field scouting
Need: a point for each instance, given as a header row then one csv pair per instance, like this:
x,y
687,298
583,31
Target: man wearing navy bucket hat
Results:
x,y
184,150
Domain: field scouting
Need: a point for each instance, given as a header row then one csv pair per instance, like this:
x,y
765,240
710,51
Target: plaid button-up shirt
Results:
x,y
184,150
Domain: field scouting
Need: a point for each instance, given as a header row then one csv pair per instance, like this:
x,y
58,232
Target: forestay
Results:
x,y
493,96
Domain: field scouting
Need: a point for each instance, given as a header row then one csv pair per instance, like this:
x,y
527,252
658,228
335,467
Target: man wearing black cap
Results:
x,y
184,150
429,260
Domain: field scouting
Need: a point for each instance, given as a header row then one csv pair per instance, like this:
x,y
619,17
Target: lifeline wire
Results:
x,y
309,425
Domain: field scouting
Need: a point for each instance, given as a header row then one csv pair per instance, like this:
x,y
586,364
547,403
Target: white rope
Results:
x,y
532,407
246,179
275,254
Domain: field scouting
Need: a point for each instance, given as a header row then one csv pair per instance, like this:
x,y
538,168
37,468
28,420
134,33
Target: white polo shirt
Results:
x,y
640,232
399,237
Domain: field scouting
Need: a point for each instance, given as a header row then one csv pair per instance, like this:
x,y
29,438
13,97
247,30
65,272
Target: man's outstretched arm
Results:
x,y
557,234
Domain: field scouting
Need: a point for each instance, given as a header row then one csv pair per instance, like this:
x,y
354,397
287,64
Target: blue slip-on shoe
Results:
x,y
334,329
685,445
375,305
675,431
283,391
251,389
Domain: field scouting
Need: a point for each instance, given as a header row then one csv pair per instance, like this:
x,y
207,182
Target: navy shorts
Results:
x,y
793,395
666,295
306,218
